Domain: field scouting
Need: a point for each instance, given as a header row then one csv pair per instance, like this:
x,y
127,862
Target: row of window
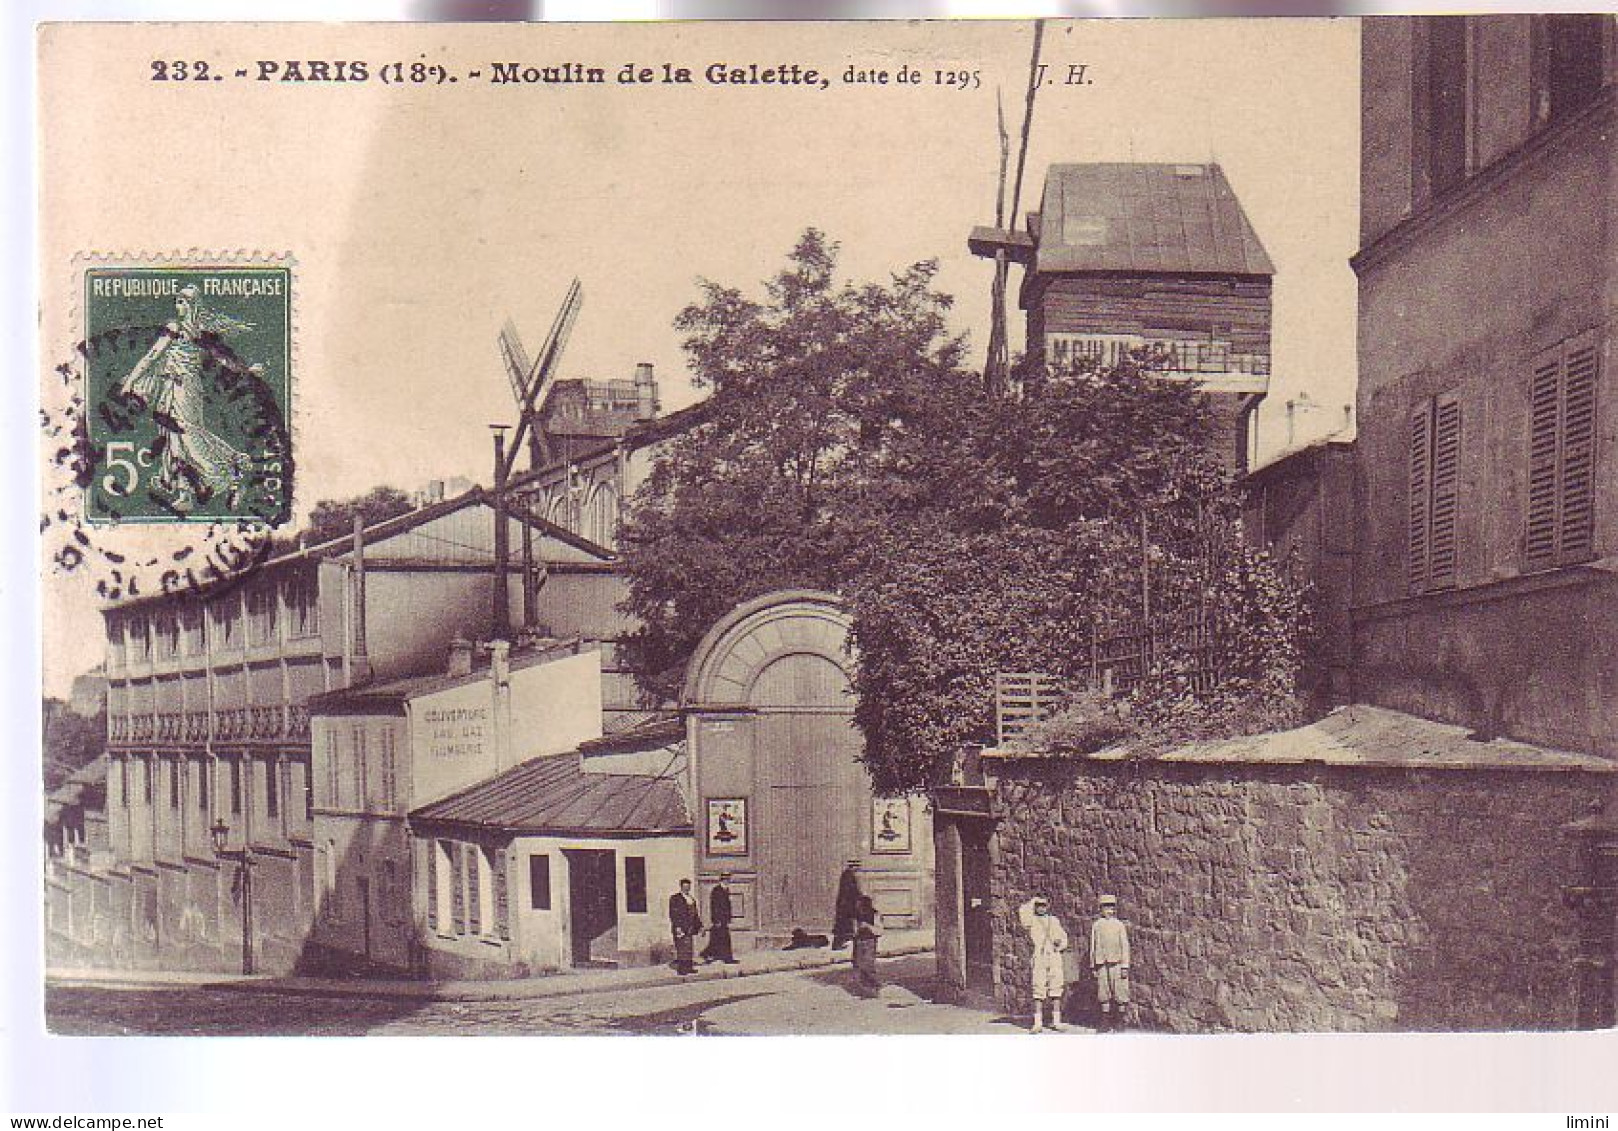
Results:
x,y
539,883
596,519
349,779
1567,72
291,610
1559,516
204,778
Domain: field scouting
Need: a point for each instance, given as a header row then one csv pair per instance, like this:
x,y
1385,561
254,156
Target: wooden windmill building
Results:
x,y
1124,256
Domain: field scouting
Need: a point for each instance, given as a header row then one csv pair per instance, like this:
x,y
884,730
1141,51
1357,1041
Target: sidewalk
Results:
x,y
563,984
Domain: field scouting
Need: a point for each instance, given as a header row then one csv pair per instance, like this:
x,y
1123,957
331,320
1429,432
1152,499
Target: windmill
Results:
x,y
530,381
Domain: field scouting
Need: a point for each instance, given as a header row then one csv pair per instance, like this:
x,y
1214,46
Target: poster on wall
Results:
x,y
727,826
890,824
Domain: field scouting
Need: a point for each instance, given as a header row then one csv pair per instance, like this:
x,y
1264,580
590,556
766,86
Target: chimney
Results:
x,y
460,656
645,392
500,662
361,670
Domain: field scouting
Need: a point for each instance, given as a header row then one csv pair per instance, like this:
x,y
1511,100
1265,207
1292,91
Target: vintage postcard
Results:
x,y
941,527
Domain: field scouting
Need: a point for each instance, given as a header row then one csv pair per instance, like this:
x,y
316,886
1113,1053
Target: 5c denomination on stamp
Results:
x,y
187,393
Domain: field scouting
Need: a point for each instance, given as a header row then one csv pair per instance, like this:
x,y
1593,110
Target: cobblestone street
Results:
x,y
819,1001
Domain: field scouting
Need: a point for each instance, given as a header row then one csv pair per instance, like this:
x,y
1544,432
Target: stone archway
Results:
x,y
770,712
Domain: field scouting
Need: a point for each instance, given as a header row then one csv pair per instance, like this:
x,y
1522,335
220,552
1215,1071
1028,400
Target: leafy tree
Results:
x,y
969,532
72,741
807,388
333,518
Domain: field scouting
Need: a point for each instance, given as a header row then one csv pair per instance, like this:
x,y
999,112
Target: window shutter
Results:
x,y
458,896
497,863
474,890
1446,462
1544,396
433,850
1420,486
1576,520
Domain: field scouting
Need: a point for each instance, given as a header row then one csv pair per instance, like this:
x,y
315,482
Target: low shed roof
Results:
x,y
553,795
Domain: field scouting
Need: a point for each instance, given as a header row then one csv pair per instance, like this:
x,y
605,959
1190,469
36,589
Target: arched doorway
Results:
x,y
780,798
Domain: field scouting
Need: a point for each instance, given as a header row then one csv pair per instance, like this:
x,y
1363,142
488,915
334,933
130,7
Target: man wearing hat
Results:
x,y
1109,958
1049,938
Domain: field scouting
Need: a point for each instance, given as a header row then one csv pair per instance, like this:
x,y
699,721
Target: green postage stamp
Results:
x,y
187,398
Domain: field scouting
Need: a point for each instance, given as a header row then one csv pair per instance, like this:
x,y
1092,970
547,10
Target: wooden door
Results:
x,y
975,905
811,791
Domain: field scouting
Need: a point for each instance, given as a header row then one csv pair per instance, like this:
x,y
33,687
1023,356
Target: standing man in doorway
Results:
x,y
685,921
719,916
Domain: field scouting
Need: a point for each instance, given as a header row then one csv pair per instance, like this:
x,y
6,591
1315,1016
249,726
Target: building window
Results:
x,y
202,785
174,783
1446,97
1568,64
140,639
484,865
115,642
539,882
123,781
302,606
194,637
235,785
444,887
1560,527
168,635
333,777
261,614
272,789
307,773
360,767
390,785
222,616
1434,496
146,777
635,884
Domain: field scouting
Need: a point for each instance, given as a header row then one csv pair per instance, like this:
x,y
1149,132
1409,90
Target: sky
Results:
x,y
421,218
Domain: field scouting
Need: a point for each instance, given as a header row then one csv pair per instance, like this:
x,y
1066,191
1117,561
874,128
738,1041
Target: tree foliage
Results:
x,y
334,518
846,447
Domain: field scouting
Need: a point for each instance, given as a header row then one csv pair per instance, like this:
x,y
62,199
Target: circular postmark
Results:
x,y
167,431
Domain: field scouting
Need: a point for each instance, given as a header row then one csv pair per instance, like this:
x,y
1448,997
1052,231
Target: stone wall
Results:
x,y
1298,898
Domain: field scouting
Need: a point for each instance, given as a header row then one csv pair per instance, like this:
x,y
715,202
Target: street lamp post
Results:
x,y
244,876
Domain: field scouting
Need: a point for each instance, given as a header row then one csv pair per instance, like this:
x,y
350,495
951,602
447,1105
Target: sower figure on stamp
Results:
x,y
719,916
685,922
1109,958
1049,940
194,462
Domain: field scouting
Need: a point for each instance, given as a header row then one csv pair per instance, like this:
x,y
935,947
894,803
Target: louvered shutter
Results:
x,y
433,919
1576,515
474,890
1420,495
458,881
1445,505
1544,412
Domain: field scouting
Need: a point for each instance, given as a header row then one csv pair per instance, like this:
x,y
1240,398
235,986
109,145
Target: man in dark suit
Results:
x,y
719,915
685,921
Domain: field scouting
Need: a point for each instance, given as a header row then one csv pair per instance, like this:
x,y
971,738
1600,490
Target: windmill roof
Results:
x,y
554,795
1133,217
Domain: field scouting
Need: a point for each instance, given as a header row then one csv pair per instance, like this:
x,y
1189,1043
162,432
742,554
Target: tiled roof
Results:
x,y
1145,218
553,795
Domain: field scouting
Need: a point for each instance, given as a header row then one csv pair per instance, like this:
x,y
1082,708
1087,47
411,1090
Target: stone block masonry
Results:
x,y
1303,897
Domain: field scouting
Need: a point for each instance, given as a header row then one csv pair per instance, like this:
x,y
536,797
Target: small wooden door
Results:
x,y
975,896
592,887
